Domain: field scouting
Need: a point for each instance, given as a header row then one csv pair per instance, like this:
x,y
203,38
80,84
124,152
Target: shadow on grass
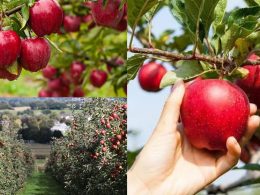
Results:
x,y
41,184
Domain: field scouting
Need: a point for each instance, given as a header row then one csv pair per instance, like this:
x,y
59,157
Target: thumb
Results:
x,y
171,111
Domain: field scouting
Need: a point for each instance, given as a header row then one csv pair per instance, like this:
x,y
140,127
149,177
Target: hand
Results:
x,y
169,164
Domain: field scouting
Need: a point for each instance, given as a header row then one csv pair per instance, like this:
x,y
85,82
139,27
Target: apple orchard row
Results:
x,y
33,54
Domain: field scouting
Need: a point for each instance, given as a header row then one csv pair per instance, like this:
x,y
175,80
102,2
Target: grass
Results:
x,y
41,184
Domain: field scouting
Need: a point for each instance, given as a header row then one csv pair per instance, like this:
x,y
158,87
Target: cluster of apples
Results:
x,y
212,109
33,54
110,15
62,83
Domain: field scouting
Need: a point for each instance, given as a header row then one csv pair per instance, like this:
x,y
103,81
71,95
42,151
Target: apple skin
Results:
x,y
76,71
251,84
10,48
46,17
78,92
89,20
35,54
109,15
5,74
213,110
49,72
72,23
150,76
44,93
98,78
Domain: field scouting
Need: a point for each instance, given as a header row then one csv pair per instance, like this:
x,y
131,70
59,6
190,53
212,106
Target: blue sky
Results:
x,y
144,108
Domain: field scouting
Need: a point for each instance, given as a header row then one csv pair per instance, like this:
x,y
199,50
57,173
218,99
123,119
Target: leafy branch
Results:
x,y
219,62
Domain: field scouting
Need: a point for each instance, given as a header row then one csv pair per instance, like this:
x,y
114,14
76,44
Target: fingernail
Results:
x,y
177,84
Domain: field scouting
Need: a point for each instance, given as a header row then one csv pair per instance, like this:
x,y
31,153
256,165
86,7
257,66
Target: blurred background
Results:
x,y
144,108
98,50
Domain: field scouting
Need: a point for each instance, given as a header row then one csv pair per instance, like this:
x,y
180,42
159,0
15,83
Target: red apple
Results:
x,y
98,78
251,84
46,17
109,15
213,110
89,20
150,76
78,92
35,54
10,46
76,71
49,72
72,23
44,93
6,74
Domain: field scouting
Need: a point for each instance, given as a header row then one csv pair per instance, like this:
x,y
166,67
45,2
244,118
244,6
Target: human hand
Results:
x,y
169,164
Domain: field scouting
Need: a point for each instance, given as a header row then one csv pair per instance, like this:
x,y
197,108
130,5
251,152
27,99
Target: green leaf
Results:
x,y
245,17
241,50
133,65
251,167
189,12
186,70
252,2
219,13
231,35
137,8
25,14
178,10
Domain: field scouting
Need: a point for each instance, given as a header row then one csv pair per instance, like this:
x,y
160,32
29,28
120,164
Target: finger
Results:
x,y
253,109
252,124
171,110
230,159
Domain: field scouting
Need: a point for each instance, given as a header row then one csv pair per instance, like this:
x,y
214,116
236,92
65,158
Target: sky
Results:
x,y
144,108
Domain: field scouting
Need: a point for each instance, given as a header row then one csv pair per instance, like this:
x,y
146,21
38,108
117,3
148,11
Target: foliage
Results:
x,y
233,37
91,159
98,47
16,162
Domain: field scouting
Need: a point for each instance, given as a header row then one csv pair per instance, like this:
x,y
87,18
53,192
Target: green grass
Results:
x,y
41,184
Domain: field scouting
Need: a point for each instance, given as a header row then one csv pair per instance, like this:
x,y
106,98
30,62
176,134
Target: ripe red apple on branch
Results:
x,y
9,48
108,15
35,54
150,76
251,84
46,17
213,110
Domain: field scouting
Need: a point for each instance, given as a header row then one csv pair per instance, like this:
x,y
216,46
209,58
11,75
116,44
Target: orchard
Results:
x,y
215,50
91,159
76,49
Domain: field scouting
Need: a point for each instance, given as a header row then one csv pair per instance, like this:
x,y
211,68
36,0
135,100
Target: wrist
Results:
x,y
135,185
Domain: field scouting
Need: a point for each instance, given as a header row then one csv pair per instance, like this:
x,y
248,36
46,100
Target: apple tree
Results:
x,y
76,49
213,44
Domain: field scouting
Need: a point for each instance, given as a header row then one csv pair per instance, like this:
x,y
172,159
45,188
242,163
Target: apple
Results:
x,y
213,110
49,72
10,46
6,74
150,76
35,54
44,93
89,20
98,78
78,92
108,15
72,23
46,17
76,71
251,84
